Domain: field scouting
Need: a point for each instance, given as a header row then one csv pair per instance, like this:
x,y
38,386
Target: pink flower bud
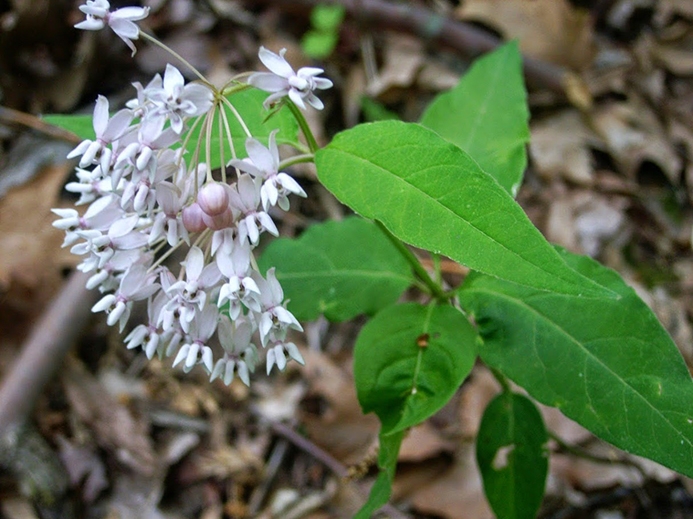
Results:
x,y
213,199
193,218
222,221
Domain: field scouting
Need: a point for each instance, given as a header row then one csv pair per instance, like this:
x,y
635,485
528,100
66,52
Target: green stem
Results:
x,y
502,380
435,289
296,159
303,124
180,58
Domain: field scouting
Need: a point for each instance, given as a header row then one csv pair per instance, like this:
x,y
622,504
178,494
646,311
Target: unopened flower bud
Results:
x,y
192,218
222,221
213,199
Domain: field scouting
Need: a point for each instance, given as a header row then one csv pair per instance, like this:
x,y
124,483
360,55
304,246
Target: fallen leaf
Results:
x,y
632,134
551,30
114,426
559,147
335,421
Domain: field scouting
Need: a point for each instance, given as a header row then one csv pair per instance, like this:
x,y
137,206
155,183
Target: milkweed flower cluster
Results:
x,y
148,202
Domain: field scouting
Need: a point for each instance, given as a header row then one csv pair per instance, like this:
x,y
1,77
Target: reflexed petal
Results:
x,y
173,79
293,352
124,28
276,62
91,24
309,72
261,157
268,82
194,263
288,183
131,13
100,115
314,101
295,96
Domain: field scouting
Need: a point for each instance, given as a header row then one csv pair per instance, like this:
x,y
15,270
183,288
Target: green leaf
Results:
x,y
512,457
248,103
486,115
340,269
409,360
375,111
325,17
431,194
318,44
382,488
80,125
608,364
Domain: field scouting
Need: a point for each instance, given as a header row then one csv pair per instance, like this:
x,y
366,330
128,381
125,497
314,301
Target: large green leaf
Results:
x,y
340,269
409,360
486,115
607,364
387,462
512,457
431,194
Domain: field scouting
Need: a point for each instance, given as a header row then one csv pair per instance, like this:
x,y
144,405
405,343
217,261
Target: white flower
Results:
x,y
122,21
283,81
136,284
106,130
176,100
263,163
275,320
277,355
240,355
195,350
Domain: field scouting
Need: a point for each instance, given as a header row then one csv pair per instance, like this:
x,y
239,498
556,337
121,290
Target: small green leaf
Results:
x,y
409,360
431,194
325,17
318,45
248,103
340,269
512,457
382,488
606,363
80,125
374,111
486,115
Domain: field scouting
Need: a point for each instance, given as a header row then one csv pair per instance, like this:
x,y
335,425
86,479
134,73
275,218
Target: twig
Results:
x,y
326,459
11,116
462,37
23,451
43,352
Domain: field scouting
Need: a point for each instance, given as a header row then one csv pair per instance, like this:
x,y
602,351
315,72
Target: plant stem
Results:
x,y
303,124
435,289
180,58
296,159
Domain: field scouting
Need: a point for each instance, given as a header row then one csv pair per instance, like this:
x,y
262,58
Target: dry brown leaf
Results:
x,y
674,58
423,442
632,134
84,467
551,30
583,221
458,492
339,426
113,425
402,61
559,147
31,260
477,392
